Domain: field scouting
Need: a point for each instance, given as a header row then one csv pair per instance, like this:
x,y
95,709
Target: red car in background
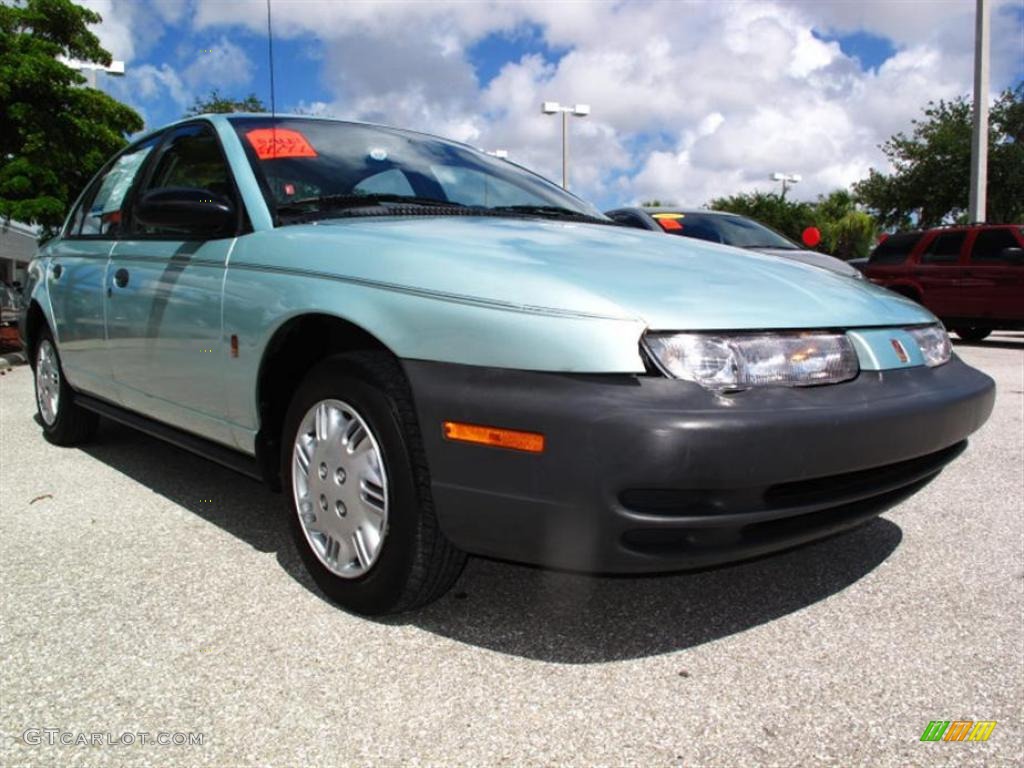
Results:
x,y
972,277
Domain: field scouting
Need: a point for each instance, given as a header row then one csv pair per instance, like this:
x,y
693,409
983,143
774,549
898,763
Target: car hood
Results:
x,y
582,269
816,259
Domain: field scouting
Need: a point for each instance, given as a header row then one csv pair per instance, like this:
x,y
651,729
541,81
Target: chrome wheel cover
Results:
x,y
340,488
47,382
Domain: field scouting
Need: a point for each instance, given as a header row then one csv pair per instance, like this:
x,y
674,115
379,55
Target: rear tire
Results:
x,y
358,488
972,333
64,422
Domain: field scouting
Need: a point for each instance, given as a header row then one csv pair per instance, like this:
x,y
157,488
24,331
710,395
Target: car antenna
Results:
x,y
270,52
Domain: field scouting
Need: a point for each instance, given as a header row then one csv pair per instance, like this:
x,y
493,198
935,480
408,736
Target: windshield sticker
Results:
x,y
377,153
276,143
661,216
669,224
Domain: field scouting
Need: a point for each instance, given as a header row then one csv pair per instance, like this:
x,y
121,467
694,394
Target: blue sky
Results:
x,y
690,100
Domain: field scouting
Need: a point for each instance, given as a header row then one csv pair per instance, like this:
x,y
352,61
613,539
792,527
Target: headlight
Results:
x,y
934,343
741,361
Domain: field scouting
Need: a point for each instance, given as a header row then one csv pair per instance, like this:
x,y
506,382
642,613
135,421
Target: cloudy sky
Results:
x,y
689,100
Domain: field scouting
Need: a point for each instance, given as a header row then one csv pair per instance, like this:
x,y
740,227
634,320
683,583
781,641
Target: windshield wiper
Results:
x,y
553,211
313,205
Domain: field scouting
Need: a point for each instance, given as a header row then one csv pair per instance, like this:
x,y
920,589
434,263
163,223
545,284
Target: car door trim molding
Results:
x,y
456,298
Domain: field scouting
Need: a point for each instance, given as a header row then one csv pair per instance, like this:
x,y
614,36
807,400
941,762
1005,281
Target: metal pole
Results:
x,y
565,149
979,132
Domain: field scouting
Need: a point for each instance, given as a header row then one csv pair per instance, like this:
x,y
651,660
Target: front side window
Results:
x,y
309,167
191,158
101,212
944,249
990,244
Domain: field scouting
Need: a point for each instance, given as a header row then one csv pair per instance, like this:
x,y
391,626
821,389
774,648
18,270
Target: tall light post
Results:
x,y
579,110
786,178
979,131
89,69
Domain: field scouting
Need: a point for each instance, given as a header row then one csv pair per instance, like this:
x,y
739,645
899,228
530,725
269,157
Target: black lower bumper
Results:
x,y
642,473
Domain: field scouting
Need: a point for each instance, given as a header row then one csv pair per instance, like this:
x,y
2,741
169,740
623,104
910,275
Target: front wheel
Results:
x,y
972,333
359,488
64,422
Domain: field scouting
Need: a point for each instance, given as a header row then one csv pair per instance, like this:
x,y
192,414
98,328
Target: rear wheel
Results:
x,y
64,422
972,333
359,488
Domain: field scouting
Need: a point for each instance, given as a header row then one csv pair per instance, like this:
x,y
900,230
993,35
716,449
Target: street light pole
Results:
x,y
786,179
579,110
979,131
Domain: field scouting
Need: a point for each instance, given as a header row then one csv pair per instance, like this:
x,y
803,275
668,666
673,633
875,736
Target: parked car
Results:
x,y
434,352
727,229
972,277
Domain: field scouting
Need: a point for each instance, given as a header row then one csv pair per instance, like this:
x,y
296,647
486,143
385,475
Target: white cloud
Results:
x,y
219,65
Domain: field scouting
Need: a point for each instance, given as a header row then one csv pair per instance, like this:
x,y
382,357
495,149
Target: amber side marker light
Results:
x,y
531,442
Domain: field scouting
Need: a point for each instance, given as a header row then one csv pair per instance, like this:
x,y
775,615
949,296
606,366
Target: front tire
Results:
x,y
64,422
358,486
972,333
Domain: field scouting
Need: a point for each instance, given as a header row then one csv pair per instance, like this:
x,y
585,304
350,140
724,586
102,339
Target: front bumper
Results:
x,y
643,473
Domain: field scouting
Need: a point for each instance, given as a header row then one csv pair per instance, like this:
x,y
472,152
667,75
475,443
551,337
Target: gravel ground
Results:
x,y
146,590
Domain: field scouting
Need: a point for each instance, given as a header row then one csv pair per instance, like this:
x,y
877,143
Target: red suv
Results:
x,y
972,277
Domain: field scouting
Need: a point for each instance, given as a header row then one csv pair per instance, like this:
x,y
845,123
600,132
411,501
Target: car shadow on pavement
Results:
x,y
523,611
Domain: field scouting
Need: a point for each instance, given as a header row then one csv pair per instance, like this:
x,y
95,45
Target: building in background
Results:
x,y
18,243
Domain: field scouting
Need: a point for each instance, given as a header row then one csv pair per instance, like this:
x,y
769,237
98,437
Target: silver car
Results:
x,y
728,229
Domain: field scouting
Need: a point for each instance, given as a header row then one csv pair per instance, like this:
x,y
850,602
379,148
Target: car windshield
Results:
x,y
731,230
313,167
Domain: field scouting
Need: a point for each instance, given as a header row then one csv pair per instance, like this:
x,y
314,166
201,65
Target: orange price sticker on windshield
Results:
x,y
275,143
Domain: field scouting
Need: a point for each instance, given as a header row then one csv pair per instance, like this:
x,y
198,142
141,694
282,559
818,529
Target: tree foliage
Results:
x,y
932,166
215,103
54,133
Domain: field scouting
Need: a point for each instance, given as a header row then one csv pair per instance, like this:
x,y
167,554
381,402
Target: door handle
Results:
x,y
56,270
121,277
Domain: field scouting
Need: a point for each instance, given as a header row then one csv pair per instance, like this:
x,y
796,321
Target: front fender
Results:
x,y
260,299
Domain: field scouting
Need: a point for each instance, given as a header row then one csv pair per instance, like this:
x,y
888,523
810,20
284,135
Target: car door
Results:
x,y
939,272
77,271
164,296
994,279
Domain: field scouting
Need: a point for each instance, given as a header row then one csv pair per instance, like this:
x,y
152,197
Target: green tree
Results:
x,y
215,103
932,166
54,133
846,232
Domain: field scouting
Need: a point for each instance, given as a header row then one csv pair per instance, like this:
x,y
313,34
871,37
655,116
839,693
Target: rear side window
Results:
x,y
944,249
627,218
989,245
895,248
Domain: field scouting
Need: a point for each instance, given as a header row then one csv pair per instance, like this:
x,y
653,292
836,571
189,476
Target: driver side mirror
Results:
x,y
187,210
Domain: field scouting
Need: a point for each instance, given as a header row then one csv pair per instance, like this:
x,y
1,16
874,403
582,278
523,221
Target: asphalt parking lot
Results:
x,y
146,590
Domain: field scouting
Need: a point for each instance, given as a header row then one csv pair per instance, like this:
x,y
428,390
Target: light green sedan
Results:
x,y
434,352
